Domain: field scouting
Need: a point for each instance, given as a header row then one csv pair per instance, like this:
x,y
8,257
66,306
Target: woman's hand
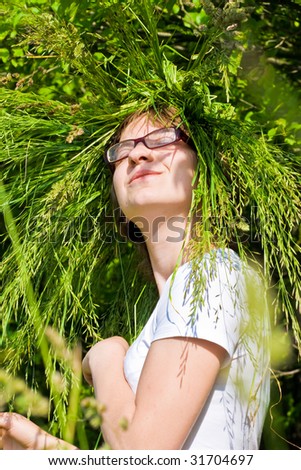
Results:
x,y
19,433
102,355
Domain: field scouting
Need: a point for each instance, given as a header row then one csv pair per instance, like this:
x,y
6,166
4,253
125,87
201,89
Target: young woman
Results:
x,y
197,377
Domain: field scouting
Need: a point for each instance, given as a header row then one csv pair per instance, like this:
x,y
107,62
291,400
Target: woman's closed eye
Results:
x,y
123,151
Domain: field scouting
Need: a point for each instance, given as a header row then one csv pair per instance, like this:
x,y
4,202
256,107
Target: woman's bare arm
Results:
x,y
177,378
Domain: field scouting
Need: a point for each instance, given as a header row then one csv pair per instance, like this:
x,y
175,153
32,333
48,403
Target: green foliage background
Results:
x,y
262,82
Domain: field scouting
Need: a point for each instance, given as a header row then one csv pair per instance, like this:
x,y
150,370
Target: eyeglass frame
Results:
x,y
179,134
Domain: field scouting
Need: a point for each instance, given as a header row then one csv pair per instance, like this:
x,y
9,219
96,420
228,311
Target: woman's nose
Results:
x,y
140,153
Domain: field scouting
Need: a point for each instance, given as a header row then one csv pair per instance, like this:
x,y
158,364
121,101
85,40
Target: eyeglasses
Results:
x,y
156,139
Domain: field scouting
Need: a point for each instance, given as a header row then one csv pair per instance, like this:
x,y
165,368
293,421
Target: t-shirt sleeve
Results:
x,y
208,305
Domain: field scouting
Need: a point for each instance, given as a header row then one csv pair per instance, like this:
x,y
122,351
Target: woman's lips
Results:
x,y
141,173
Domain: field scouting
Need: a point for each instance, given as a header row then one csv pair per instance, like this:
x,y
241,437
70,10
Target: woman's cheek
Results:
x,y
119,193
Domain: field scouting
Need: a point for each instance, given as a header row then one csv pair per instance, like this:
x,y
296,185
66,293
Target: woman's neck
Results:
x,y
165,243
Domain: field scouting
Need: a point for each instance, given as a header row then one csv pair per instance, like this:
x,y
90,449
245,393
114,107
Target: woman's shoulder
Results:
x,y
222,256
221,268
212,270
213,263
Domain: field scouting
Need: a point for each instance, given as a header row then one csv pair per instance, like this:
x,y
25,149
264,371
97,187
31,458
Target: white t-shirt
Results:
x,y
230,310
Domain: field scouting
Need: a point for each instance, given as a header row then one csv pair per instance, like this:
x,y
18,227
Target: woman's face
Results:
x,y
154,182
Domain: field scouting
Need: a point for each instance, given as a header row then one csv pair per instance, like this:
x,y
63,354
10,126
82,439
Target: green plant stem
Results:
x,y
81,433
74,397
